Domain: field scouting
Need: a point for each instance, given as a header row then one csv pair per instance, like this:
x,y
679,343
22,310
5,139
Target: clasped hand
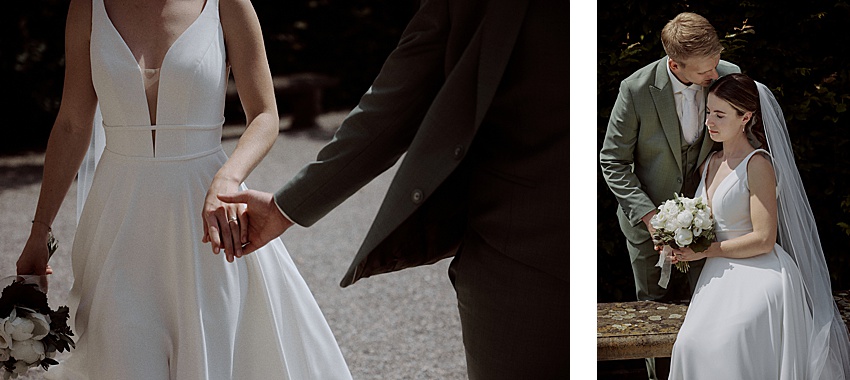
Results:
x,y
683,254
225,224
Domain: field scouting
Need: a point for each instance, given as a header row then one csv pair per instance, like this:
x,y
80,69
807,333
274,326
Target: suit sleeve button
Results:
x,y
458,153
416,196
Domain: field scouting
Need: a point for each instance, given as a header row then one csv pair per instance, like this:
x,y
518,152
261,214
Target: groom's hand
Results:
x,y
264,219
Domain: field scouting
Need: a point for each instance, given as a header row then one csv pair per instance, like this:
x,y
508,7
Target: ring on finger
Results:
x,y
232,219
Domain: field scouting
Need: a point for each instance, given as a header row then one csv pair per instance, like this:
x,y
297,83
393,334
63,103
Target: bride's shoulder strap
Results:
x,y
746,165
707,162
763,152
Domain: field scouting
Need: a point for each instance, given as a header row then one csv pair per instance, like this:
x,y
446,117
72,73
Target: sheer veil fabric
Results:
x,y
829,354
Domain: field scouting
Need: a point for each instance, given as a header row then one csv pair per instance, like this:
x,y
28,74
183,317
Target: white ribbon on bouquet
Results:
x,y
664,262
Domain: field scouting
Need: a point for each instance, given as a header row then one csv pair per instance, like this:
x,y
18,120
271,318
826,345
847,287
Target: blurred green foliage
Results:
x,y
346,39
801,50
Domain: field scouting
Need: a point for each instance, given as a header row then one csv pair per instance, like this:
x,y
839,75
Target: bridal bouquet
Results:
x,y
682,222
30,332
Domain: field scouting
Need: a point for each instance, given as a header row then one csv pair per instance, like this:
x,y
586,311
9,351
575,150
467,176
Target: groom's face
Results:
x,y
699,70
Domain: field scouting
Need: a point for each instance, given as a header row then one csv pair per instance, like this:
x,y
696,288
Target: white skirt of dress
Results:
x,y
748,319
151,301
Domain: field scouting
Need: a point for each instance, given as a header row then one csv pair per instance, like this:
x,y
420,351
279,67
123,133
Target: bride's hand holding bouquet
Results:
x,y
684,228
31,333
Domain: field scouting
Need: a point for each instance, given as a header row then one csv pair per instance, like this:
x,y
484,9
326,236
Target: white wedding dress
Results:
x,y
748,318
150,300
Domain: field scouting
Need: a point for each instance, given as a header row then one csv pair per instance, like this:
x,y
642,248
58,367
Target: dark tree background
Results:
x,y
800,49
346,39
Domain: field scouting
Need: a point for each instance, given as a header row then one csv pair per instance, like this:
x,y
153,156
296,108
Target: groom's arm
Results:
x,y
379,130
617,158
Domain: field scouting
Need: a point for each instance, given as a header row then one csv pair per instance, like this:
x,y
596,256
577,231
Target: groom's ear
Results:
x,y
674,66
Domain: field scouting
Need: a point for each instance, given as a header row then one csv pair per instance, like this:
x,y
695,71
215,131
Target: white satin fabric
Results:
x,y
150,300
749,318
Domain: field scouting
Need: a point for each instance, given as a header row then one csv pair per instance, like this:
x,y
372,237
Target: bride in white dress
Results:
x,y
761,310
150,300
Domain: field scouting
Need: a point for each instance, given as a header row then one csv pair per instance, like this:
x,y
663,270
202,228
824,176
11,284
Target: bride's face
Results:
x,y
723,121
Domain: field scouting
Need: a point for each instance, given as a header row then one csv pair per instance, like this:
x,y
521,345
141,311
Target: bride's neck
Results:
x,y
737,148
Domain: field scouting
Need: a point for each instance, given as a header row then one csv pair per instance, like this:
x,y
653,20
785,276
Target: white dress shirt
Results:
x,y
678,86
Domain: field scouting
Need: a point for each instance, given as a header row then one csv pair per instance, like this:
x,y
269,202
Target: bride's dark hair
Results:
x,y
741,92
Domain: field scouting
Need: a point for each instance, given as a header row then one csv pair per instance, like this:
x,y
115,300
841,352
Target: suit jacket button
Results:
x,y
679,180
417,196
458,153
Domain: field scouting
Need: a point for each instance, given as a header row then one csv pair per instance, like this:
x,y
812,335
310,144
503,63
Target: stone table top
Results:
x,y
634,330
642,329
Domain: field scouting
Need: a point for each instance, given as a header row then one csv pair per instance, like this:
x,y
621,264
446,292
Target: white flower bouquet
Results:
x,y
682,222
30,332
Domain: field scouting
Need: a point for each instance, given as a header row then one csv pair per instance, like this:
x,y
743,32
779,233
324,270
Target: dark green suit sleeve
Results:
x,y
379,130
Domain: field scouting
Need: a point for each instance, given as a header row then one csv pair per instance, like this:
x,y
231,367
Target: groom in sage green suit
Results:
x,y
475,96
646,155
656,141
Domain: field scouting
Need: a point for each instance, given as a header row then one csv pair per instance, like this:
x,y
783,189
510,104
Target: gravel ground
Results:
x,y
401,325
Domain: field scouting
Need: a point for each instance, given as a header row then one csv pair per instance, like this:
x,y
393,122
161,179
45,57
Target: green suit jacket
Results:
x,y
429,100
641,155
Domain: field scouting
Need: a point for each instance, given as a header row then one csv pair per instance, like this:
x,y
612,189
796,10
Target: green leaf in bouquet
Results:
x,y
47,362
700,244
25,295
52,244
683,266
60,333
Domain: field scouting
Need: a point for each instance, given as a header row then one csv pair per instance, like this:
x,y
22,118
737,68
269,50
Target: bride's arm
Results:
x,y
762,183
69,137
247,56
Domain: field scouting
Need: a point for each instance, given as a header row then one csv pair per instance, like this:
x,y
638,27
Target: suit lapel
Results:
x,y
496,47
665,105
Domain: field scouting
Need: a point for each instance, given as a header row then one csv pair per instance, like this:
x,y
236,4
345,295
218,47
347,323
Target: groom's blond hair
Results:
x,y
689,35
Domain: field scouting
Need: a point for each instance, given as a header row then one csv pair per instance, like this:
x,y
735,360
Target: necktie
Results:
x,y
690,114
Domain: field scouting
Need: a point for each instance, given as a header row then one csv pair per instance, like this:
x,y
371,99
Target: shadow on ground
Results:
x,y
16,175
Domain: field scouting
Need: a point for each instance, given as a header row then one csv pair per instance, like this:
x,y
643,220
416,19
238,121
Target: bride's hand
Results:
x,y
225,224
33,259
686,254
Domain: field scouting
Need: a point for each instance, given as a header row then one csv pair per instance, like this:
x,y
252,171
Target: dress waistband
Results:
x,y
730,234
173,142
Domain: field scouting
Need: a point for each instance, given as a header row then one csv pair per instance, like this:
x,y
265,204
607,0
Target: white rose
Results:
x,y
685,218
671,224
4,354
704,220
697,232
689,204
656,221
21,368
669,208
5,337
683,237
30,351
18,328
699,219
41,325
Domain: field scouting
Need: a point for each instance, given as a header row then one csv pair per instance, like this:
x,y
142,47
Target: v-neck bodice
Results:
x,y
190,94
730,203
